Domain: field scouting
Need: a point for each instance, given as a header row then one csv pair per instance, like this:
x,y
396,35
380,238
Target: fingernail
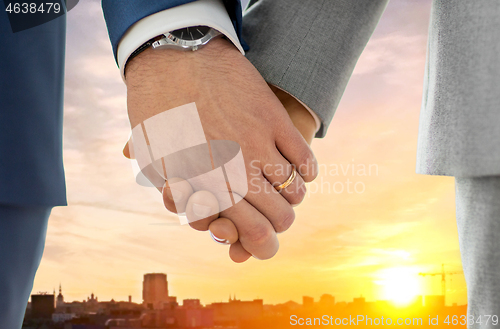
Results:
x,y
201,210
176,195
216,239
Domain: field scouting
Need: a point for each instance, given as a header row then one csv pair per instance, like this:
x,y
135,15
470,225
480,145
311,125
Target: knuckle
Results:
x,y
297,194
258,235
306,165
285,220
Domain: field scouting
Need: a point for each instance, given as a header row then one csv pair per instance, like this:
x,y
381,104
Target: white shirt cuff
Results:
x,y
210,13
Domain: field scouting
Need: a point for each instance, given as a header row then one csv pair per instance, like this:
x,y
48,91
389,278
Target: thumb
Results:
x,y
128,150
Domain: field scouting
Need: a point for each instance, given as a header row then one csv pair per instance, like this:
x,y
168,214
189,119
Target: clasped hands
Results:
x,y
234,103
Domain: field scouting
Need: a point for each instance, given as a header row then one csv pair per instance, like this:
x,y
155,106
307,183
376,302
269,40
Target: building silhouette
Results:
x,y
326,301
60,299
42,306
155,290
235,310
307,302
434,301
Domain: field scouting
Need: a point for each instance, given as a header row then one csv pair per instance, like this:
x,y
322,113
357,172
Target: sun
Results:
x,y
399,285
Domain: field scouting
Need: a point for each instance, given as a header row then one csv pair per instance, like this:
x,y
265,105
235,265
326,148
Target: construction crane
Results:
x,y
443,278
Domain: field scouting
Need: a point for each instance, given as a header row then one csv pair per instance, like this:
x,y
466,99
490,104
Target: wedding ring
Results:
x,y
288,182
218,240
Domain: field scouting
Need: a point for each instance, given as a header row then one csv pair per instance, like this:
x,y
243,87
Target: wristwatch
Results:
x,y
188,38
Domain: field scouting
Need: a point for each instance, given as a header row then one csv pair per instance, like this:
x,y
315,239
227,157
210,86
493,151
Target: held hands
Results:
x,y
234,103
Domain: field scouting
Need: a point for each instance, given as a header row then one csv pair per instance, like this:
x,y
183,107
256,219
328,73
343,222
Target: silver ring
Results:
x,y
216,239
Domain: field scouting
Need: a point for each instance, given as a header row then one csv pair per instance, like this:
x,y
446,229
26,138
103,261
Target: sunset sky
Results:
x,y
372,243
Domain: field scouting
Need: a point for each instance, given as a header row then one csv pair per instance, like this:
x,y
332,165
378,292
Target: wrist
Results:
x,y
153,59
161,79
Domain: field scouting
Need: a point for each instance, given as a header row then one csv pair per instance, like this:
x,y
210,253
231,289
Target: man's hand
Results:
x,y
234,103
222,229
300,116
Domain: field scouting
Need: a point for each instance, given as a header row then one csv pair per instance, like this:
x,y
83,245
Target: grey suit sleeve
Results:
x,y
309,47
459,132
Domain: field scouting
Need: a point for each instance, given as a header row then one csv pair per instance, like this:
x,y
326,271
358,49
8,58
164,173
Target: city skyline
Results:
x,y
148,279
148,295
233,297
159,309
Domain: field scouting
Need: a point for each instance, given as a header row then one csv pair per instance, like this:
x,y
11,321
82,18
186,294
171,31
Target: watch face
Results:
x,y
191,33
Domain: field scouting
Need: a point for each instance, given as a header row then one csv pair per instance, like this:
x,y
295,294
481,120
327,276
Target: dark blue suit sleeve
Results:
x,y
31,113
121,15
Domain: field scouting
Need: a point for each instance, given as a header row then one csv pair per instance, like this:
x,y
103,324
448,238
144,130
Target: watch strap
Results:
x,y
143,47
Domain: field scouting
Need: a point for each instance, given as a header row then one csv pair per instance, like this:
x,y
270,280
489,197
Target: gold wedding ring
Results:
x,y
288,182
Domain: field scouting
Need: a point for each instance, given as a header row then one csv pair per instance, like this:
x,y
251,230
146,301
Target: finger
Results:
x,y
237,253
295,192
128,150
176,193
278,171
201,209
255,232
264,197
294,148
148,172
154,178
223,231
301,118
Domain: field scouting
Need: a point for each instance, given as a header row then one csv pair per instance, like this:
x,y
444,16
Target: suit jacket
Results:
x,y
310,47
31,102
121,15
460,117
